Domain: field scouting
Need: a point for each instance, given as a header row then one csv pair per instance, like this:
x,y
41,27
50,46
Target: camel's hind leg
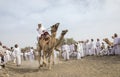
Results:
x,y
50,60
40,59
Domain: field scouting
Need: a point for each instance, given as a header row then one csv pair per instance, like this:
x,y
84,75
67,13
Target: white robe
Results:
x,y
72,49
1,52
87,49
91,49
66,50
40,31
31,56
116,46
84,49
81,50
98,47
78,51
8,56
56,53
17,56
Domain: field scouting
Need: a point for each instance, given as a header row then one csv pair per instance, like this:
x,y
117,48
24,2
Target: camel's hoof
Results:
x,y
40,66
45,64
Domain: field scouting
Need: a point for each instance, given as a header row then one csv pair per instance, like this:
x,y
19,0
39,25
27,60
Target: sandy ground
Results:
x,y
107,66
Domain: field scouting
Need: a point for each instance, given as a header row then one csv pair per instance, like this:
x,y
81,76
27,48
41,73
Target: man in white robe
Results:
x,y
78,51
56,54
119,46
116,45
40,30
66,50
91,48
72,49
31,54
81,48
98,47
17,55
84,48
8,55
87,47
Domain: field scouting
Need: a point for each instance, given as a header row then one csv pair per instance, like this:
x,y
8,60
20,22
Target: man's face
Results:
x,y
39,25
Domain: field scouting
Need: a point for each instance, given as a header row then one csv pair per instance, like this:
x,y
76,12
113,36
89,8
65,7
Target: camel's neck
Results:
x,y
52,41
53,35
59,40
109,43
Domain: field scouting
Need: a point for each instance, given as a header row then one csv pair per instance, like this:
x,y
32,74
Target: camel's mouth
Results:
x,y
105,39
57,24
54,27
64,32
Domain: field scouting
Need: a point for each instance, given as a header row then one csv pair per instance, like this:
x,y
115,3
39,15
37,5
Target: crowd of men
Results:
x,y
77,50
81,49
14,55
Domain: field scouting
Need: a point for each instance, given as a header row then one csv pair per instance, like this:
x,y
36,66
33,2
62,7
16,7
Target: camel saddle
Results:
x,y
45,36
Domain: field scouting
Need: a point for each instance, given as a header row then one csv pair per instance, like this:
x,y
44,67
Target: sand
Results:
x,y
90,66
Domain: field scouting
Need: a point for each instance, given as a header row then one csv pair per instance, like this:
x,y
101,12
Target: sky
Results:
x,y
85,19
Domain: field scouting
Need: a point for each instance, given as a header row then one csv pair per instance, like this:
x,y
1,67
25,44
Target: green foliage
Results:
x,y
67,40
25,49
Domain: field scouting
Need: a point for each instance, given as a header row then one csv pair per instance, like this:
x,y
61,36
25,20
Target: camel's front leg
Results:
x,y
40,60
44,58
49,62
50,59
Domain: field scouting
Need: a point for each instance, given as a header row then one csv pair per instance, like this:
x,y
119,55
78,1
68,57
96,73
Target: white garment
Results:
x,y
31,56
119,46
78,51
87,49
78,55
91,49
26,55
84,49
66,50
2,50
17,56
116,45
98,47
72,49
40,31
8,55
56,53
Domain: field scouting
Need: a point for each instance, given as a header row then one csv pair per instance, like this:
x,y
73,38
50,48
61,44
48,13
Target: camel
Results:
x,y
108,42
58,42
47,46
60,39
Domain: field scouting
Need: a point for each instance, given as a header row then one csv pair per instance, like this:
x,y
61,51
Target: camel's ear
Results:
x,y
67,30
58,23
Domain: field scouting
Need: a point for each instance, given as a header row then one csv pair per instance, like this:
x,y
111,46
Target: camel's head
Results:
x,y
54,27
64,32
106,40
